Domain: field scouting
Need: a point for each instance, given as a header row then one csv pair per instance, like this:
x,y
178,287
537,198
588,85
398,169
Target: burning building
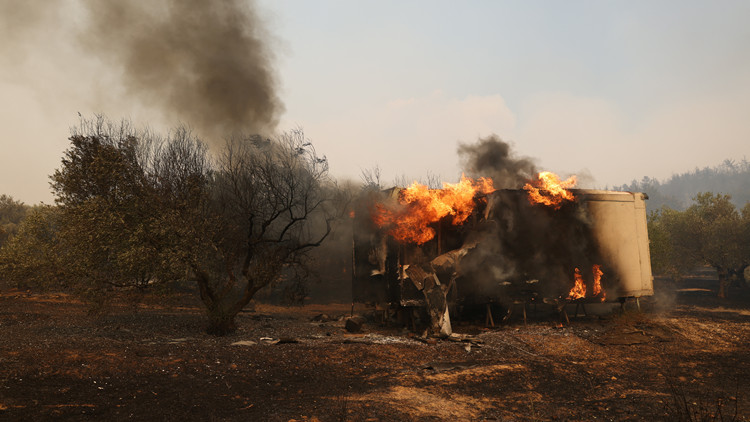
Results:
x,y
471,244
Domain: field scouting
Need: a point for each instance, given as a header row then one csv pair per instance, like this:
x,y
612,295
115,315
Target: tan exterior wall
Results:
x,y
619,221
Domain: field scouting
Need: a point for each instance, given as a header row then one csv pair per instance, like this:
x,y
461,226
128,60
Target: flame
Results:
x,y
420,206
597,270
549,190
579,288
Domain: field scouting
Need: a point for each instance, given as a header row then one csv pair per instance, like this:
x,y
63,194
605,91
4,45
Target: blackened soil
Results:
x,y
150,359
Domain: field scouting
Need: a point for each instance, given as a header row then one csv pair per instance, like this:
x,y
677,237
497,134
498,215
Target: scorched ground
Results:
x,y
150,360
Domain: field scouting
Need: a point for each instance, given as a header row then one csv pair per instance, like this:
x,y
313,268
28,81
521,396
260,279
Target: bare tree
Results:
x,y
271,202
371,178
431,180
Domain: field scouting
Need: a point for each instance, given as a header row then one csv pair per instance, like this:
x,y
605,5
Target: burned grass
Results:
x,y
149,359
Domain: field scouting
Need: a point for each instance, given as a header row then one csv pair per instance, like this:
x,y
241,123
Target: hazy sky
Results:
x,y
616,90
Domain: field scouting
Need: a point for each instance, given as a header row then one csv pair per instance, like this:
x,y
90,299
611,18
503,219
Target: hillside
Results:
x,y
730,177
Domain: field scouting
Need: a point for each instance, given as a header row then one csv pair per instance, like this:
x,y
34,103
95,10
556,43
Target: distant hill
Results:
x,y
730,177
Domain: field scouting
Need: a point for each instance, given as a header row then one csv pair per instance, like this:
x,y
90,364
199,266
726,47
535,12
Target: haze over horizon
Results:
x,y
611,91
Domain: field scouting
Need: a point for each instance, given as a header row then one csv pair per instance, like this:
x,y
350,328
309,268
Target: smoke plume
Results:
x,y
206,64
492,157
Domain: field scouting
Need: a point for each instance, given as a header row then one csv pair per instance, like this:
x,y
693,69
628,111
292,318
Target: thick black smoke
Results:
x,y
494,158
205,63
527,247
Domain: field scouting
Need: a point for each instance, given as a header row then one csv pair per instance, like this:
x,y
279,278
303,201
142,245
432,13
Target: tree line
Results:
x,y
711,231
731,177
12,213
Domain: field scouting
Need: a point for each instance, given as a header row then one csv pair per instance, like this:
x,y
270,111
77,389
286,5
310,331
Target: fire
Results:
x,y
420,206
549,190
579,288
597,282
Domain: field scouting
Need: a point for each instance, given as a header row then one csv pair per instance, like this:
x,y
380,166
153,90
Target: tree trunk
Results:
x,y
221,300
221,323
222,310
723,282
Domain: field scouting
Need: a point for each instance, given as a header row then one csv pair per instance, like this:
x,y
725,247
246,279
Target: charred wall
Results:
x,y
511,249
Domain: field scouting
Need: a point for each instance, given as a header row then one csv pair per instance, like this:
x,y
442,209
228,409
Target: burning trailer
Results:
x,y
469,244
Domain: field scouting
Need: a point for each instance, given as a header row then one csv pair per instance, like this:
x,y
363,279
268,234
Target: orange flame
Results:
x,y
549,190
421,206
579,288
597,282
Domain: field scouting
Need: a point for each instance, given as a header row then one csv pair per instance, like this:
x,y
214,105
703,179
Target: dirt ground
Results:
x,y
686,352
